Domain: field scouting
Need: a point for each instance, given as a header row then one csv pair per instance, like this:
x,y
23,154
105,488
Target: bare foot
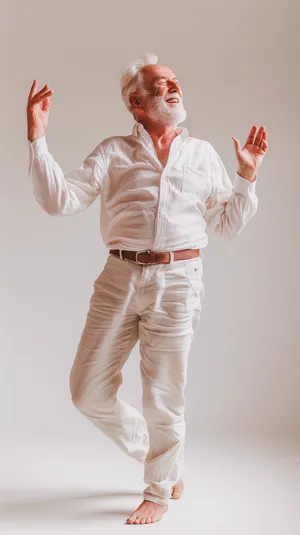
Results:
x,y
147,513
177,490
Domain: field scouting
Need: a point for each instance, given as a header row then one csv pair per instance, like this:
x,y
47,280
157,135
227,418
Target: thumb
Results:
x,y
236,144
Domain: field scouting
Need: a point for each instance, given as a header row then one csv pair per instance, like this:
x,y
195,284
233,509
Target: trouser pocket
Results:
x,y
194,272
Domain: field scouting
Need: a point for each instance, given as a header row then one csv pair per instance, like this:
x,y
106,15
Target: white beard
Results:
x,y
158,110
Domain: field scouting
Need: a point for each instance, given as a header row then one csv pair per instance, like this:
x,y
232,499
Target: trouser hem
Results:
x,y
155,499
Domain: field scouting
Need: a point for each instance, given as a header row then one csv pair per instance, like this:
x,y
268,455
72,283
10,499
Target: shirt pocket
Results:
x,y
195,182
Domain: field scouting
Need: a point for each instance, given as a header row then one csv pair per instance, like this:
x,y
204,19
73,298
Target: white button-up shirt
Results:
x,y
145,205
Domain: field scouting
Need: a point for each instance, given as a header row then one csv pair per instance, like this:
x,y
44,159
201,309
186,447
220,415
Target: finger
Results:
x,y
36,99
252,135
33,90
258,137
38,102
237,146
264,145
46,104
41,92
263,137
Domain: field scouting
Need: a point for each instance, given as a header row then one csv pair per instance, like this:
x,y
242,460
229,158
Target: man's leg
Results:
x,y
166,329
109,335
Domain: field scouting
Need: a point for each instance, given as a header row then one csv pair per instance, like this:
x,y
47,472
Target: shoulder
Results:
x,y
199,149
113,141
199,143
208,149
112,145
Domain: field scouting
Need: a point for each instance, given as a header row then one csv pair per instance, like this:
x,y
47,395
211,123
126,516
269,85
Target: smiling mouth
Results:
x,y
172,101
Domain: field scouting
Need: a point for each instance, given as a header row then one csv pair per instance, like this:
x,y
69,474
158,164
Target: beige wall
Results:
x,y
238,65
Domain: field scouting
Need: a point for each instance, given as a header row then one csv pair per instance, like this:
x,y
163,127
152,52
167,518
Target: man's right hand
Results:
x,y
38,109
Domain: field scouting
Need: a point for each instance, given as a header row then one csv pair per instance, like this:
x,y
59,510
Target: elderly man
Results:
x,y
159,189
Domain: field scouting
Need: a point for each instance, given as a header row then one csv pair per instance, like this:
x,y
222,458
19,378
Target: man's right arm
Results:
x,y
56,192
59,193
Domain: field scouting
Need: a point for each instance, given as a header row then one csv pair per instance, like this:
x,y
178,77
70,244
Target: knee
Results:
x,y
86,398
86,392
78,398
78,392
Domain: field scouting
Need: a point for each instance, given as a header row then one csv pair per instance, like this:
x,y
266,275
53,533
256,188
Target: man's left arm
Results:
x,y
229,206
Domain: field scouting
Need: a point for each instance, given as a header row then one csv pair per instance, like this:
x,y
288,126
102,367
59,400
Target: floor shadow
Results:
x,y
19,508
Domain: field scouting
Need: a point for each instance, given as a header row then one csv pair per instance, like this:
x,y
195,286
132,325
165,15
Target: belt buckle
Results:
x,y
140,252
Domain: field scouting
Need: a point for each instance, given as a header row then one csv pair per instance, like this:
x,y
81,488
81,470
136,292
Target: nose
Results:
x,y
176,89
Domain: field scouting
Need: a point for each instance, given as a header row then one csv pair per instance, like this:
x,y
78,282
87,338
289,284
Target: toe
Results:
x,y
131,519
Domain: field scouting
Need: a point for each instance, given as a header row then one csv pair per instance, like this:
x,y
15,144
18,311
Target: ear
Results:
x,y
135,100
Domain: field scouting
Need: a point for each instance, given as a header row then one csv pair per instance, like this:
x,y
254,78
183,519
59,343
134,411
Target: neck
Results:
x,y
161,133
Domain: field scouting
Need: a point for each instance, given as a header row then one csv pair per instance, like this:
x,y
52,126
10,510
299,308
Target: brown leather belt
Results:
x,y
151,257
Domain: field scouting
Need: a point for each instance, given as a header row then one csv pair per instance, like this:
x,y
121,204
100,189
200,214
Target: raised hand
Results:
x,y
250,157
38,108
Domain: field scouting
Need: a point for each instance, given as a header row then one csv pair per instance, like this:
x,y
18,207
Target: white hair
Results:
x,y
132,77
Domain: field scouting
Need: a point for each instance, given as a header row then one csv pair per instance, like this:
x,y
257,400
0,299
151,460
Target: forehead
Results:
x,y
151,72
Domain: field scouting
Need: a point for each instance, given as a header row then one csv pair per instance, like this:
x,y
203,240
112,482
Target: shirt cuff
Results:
x,y
38,146
243,186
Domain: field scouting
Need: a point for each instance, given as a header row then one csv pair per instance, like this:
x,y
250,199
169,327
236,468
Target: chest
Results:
x,y
139,180
163,154
133,173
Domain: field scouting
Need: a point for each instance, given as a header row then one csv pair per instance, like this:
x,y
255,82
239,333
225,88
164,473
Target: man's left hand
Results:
x,y
251,155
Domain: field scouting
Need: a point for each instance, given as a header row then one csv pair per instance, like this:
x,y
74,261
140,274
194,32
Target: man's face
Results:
x,y
161,86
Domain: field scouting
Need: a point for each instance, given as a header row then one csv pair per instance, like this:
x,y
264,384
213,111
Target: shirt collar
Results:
x,y
140,132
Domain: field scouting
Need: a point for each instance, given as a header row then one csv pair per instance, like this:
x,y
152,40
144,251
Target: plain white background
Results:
x,y
238,66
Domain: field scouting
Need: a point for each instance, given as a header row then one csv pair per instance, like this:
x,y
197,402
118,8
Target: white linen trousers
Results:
x,y
159,305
